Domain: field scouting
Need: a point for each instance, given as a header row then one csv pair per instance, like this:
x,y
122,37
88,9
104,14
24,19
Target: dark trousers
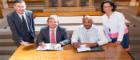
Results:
x,y
28,37
125,41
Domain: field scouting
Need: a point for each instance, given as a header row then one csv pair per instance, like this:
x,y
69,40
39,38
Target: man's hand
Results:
x,y
76,45
117,43
91,44
24,43
42,44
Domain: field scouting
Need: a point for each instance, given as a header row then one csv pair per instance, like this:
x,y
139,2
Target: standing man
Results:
x,y
52,33
21,24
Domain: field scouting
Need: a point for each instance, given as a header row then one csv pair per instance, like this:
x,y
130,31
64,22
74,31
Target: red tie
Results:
x,y
53,36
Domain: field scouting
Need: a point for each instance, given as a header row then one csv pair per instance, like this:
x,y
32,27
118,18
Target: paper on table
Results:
x,y
83,48
50,46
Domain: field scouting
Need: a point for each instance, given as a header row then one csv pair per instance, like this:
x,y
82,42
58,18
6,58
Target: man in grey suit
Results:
x,y
21,24
52,33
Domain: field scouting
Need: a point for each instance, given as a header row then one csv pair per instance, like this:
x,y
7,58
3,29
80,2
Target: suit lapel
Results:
x,y
58,34
28,18
28,21
17,18
47,35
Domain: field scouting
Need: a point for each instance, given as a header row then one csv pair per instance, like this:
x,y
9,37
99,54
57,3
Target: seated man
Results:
x,y
52,33
87,34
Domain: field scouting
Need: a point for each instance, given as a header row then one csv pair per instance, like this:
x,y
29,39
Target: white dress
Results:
x,y
114,26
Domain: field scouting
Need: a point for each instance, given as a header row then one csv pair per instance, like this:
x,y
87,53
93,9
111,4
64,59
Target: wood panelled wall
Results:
x,y
138,10
1,6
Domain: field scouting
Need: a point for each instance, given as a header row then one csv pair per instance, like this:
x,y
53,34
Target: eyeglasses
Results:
x,y
106,6
20,6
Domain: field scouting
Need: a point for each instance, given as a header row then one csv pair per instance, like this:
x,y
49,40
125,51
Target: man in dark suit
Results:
x,y
52,33
21,24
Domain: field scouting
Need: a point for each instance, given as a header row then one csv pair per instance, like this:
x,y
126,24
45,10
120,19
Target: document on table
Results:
x,y
83,48
50,46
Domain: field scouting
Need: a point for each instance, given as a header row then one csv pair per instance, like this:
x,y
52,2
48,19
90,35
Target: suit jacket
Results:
x,y
61,36
18,32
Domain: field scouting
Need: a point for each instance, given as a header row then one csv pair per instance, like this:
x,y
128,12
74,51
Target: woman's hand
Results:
x,y
118,43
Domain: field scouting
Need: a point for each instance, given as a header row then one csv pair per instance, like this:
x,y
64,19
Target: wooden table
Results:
x,y
69,53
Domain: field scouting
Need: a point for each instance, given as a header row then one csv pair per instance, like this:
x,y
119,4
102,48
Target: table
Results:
x,y
69,53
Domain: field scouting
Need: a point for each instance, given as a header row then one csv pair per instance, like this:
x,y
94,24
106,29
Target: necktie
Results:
x,y
25,26
53,36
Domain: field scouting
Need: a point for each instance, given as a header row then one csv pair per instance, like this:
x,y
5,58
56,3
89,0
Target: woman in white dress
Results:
x,y
114,25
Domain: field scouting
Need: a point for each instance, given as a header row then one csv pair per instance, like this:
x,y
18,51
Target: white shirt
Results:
x,y
114,24
24,18
84,35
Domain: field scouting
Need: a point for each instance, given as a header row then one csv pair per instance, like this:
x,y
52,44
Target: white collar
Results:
x,y
92,27
52,29
21,15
